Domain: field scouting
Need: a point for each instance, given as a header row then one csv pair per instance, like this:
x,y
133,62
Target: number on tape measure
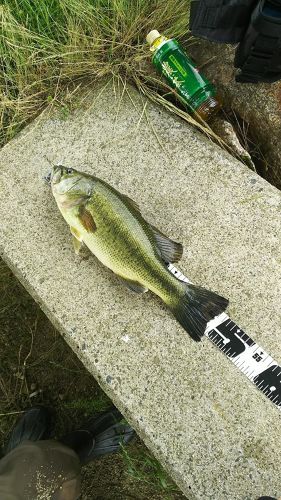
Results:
x,y
249,357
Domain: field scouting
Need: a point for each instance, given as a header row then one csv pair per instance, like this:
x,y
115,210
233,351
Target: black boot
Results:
x,y
99,436
33,425
267,498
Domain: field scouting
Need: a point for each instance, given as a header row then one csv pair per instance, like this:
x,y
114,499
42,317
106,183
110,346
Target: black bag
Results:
x,y
259,53
220,20
256,25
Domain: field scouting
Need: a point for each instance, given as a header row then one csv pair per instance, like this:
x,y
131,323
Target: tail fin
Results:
x,y
196,308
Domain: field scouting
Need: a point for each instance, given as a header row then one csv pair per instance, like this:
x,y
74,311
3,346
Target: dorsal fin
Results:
x,y
131,202
170,250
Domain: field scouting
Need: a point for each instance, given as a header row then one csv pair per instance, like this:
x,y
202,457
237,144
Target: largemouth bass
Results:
x,y
110,224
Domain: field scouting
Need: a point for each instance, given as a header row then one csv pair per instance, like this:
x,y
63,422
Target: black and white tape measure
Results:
x,y
249,357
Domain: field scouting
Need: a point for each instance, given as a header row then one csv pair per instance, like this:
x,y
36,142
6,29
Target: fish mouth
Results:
x,y
47,178
54,176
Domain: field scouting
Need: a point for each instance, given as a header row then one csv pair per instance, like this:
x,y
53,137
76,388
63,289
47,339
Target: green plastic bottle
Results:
x,y
195,90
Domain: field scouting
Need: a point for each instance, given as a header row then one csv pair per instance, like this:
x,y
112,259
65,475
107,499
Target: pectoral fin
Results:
x,y
87,219
170,250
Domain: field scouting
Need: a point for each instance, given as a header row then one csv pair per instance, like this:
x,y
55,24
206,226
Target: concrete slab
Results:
x,y
217,436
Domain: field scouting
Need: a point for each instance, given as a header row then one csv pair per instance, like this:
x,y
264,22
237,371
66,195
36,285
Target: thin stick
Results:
x,y
11,413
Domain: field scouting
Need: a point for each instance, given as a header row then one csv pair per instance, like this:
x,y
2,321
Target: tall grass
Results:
x,y
50,45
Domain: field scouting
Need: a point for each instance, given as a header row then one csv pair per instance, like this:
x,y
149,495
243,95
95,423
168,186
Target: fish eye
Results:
x,y
69,170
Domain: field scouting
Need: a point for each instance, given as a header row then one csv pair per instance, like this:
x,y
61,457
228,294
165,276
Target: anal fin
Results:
x,y
133,285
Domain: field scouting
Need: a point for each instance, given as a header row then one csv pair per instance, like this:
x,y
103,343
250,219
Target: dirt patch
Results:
x,y
38,367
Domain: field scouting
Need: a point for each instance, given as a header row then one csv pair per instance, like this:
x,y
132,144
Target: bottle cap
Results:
x,y
152,36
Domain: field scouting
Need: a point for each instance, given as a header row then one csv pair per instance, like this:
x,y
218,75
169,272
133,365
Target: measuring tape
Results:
x,y
251,359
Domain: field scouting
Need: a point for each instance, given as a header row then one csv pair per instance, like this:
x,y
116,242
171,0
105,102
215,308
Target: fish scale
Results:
x,y
107,250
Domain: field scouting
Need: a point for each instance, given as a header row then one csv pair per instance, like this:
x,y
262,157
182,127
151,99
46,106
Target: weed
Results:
x,y
143,467
48,51
90,406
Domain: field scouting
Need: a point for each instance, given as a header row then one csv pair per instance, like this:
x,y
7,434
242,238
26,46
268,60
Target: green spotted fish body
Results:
x,y
111,226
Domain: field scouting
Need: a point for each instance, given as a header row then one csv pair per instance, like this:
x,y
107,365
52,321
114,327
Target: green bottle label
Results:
x,y
177,64
182,75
